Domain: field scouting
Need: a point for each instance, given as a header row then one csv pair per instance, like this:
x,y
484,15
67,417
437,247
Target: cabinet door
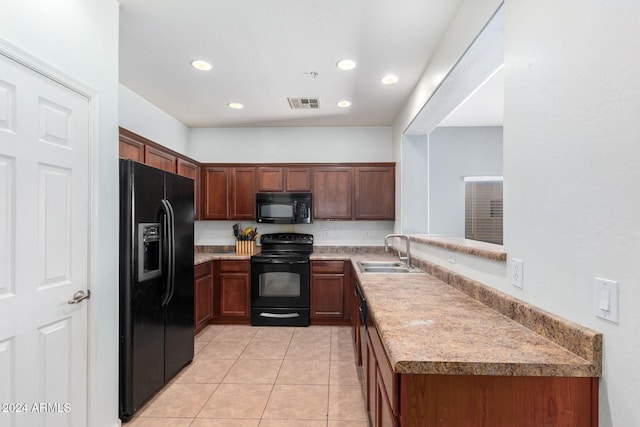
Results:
x,y
384,413
234,295
159,159
327,296
374,193
371,387
332,193
270,179
215,193
242,200
191,170
131,149
298,180
203,299
235,291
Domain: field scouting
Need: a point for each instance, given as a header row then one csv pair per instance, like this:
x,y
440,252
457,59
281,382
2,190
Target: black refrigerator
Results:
x,y
156,281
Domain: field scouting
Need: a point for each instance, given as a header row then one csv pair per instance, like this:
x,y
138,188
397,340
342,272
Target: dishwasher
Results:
x,y
362,311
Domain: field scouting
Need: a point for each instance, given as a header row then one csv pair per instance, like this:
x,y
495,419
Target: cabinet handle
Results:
x,y
280,316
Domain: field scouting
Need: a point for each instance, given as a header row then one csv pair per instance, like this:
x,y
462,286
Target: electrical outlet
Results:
x,y
325,234
516,272
451,257
367,234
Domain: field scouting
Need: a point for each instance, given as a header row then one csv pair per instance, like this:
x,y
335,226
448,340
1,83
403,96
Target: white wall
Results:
x,y
295,145
571,173
572,199
80,39
456,152
140,116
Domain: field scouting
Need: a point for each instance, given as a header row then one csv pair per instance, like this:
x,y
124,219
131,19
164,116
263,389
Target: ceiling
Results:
x,y
263,52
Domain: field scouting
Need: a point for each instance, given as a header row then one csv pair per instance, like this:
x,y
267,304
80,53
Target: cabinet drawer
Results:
x,y
389,378
234,266
202,269
327,267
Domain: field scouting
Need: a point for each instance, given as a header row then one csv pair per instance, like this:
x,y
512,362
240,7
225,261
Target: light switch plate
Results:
x,y
605,296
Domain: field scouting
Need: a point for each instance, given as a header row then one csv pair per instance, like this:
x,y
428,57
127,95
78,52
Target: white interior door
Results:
x,y
44,215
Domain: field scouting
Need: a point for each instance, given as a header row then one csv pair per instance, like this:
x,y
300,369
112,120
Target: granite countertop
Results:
x,y
428,326
202,257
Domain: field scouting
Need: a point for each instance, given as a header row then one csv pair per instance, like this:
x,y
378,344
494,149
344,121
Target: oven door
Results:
x,y
279,292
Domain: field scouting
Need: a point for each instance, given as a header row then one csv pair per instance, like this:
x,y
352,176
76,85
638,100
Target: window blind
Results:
x,y
483,209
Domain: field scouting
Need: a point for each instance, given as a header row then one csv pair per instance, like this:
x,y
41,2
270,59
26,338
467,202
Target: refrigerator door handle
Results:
x,y
168,242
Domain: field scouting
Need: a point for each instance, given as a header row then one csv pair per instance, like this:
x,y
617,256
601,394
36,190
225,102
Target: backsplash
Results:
x,y
325,233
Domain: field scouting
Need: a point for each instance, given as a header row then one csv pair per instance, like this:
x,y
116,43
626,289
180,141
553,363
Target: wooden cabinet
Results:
x,y
330,296
131,149
234,290
374,189
215,193
417,400
382,383
297,180
283,179
332,190
228,193
242,194
140,149
191,170
270,179
503,401
159,159
203,295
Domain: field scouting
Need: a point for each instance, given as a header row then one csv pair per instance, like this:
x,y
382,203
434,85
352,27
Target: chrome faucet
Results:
x,y
406,259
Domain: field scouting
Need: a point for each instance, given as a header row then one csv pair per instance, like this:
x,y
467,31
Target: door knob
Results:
x,y
79,297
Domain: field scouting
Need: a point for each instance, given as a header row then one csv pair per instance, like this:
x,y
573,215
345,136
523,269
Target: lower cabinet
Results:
x,y
382,384
203,295
234,292
417,400
330,297
222,293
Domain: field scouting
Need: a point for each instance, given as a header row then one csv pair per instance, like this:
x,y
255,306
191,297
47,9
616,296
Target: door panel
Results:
x,y
44,213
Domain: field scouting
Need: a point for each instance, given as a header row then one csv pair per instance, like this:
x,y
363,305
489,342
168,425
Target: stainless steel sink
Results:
x,y
367,264
386,267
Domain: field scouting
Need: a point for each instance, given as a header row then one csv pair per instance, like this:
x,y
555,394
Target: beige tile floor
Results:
x,y
244,376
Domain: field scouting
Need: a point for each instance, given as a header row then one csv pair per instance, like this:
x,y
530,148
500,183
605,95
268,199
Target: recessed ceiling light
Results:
x,y
235,105
346,64
389,79
201,65
344,104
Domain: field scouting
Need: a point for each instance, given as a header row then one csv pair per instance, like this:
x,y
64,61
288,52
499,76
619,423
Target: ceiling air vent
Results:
x,y
304,103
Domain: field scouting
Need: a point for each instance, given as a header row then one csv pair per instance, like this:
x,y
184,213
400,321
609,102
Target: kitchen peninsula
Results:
x,y
437,356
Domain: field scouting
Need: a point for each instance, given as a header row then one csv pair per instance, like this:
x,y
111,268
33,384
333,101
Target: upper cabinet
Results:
x,y
130,148
228,192
143,150
341,191
283,179
374,188
159,159
297,180
242,195
215,193
359,192
332,190
191,170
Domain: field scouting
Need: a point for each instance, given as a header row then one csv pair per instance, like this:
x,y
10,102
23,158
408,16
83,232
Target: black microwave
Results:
x,y
283,208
